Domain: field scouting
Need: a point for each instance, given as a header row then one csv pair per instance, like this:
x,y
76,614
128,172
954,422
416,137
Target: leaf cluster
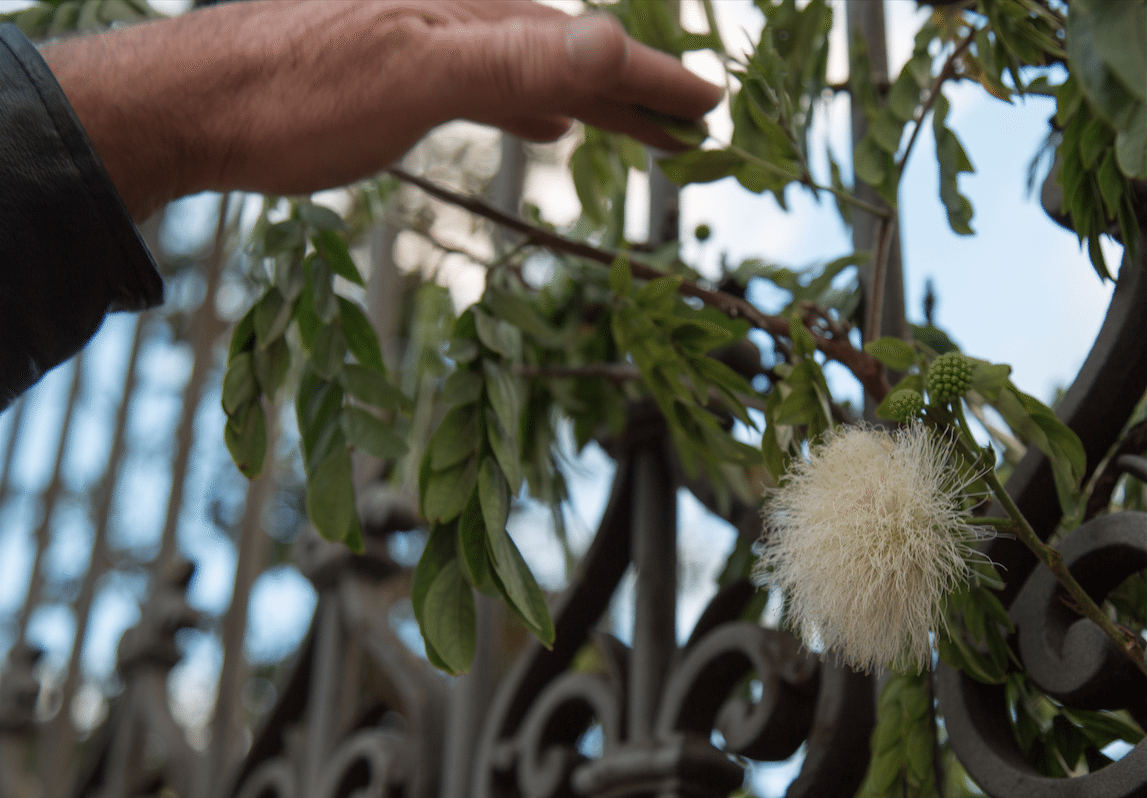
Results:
x,y
341,405
50,19
1060,741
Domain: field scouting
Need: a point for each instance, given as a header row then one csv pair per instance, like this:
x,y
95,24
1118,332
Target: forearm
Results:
x,y
162,101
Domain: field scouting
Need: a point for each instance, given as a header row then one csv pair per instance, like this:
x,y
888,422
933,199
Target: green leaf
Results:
x,y
500,336
1064,449
448,615
621,277
373,388
518,585
988,379
898,355
239,385
439,550
272,365
918,754
958,653
324,301
308,321
1131,145
317,407
243,337
272,315
360,335
283,237
493,494
246,437
472,548
289,275
447,492
886,130
462,387
320,217
457,437
1112,184
884,771
657,296
1095,43
1095,141
372,435
904,97
869,161
1103,727
334,251
353,539
804,345
462,350
842,207
505,448
330,495
519,312
502,394
953,160
690,132
328,351
700,166
119,11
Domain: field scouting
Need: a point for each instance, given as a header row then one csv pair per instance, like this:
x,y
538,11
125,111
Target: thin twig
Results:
x,y
946,72
867,369
805,179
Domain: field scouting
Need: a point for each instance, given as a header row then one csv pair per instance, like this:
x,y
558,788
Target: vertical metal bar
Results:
x,y
254,549
10,445
654,524
655,612
60,732
206,327
51,494
865,20
322,722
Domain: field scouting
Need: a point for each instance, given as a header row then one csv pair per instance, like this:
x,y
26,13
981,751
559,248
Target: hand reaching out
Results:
x,y
294,97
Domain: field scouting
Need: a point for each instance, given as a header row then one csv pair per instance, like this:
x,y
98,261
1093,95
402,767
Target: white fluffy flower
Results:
x,y
865,539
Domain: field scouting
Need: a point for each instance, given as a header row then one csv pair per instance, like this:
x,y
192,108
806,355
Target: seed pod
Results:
x,y
903,405
949,377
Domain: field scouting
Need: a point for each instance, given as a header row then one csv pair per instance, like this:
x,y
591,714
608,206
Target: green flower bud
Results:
x,y
903,404
949,377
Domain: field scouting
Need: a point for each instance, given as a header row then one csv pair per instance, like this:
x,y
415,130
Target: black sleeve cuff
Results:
x,y
69,252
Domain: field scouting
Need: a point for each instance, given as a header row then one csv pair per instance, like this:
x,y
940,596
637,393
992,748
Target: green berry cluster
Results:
x,y
903,404
949,377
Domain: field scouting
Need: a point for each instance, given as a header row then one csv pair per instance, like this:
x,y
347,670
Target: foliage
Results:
x,y
470,419
48,19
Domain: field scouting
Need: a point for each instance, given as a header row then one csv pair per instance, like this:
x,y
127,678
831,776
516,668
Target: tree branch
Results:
x,y
946,72
868,370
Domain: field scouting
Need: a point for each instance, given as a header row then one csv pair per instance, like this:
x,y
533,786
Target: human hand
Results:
x,y
293,97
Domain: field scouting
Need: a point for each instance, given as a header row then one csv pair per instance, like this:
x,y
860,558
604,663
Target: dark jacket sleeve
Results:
x,y
69,252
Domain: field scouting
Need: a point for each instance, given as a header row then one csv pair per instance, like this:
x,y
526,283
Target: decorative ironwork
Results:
x,y
1066,656
658,705
361,713
1070,659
